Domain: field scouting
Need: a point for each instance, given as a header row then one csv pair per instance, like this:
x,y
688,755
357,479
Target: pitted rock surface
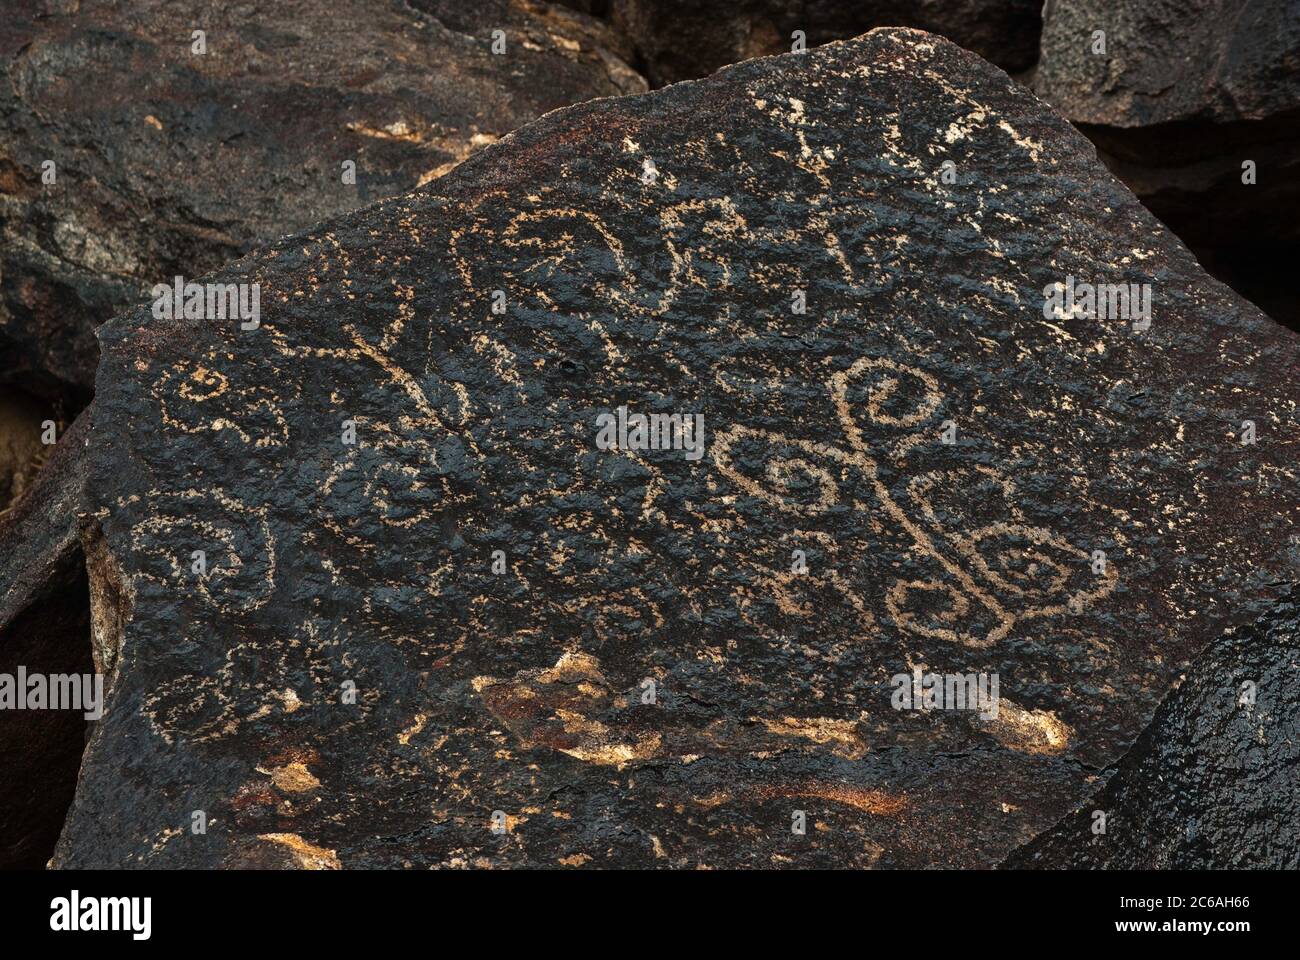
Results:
x,y
171,162
351,684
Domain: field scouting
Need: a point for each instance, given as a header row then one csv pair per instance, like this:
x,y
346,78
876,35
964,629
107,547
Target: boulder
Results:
x,y
145,139
1211,784
403,574
1138,63
682,39
1195,106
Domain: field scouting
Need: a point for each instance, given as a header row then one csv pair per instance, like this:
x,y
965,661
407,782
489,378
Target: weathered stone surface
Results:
x,y
1212,783
169,162
1182,96
1217,60
650,250
684,39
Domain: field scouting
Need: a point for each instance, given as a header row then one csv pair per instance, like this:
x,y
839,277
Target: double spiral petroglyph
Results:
x,y
1008,571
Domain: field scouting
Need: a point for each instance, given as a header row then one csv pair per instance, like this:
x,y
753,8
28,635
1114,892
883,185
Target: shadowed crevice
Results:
x,y
40,750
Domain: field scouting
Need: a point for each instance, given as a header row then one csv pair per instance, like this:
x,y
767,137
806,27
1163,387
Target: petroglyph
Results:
x,y
422,567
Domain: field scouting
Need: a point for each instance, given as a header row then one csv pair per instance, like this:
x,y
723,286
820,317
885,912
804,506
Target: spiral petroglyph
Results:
x,y
237,573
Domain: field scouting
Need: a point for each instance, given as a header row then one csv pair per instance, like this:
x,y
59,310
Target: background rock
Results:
x,y
1211,785
168,162
21,450
685,39
1214,60
1183,95
45,622
348,683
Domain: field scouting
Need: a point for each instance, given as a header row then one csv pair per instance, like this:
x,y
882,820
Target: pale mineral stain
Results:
x,y
405,736
1028,731
292,777
841,734
308,855
867,799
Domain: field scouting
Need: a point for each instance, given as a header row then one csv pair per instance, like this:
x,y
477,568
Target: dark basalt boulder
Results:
x,y
1180,97
1212,783
170,162
373,592
684,39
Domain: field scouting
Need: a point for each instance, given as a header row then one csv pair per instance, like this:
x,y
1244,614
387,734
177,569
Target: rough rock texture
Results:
x,y
169,162
1212,782
1183,95
1217,60
684,39
350,682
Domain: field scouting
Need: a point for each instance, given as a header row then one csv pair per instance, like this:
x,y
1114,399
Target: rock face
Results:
x,y
684,39
1178,100
168,161
373,591
1212,782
